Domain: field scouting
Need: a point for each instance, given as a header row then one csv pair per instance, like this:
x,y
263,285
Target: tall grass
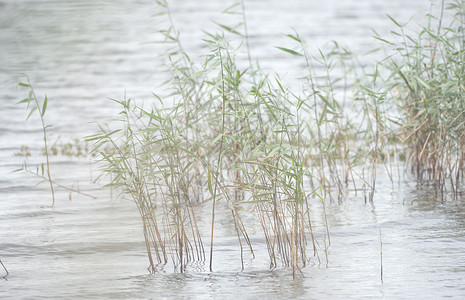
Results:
x,y
222,132
426,82
42,170
32,105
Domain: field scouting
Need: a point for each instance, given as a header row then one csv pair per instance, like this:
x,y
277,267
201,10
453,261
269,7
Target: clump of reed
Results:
x,y
426,82
345,120
222,133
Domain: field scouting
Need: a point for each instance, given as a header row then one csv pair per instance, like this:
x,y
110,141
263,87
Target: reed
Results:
x,y
42,170
426,82
36,106
221,132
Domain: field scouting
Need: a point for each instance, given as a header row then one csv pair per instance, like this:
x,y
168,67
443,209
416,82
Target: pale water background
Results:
x,y
82,52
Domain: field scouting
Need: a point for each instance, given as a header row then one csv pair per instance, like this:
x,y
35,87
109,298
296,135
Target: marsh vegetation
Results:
x,y
221,131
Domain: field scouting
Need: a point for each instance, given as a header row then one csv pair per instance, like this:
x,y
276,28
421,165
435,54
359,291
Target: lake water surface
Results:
x,y
80,53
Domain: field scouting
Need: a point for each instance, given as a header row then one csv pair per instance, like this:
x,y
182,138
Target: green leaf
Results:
x,y
113,132
24,101
392,19
44,107
24,84
232,30
230,11
159,14
295,38
289,51
273,152
423,83
383,40
218,137
31,112
280,85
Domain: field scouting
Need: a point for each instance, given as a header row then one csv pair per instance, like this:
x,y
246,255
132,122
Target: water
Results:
x,y
82,52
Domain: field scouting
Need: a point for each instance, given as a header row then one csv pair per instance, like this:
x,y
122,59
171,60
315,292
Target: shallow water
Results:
x,y
82,52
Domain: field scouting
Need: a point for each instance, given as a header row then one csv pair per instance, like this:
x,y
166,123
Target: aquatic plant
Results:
x,y
42,170
426,82
36,106
222,133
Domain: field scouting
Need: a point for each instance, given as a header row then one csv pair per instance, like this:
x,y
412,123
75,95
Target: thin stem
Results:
x,y
7,273
220,156
381,255
44,130
249,56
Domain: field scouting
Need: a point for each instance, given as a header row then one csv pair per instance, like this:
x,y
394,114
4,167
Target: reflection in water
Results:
x,y
81,53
